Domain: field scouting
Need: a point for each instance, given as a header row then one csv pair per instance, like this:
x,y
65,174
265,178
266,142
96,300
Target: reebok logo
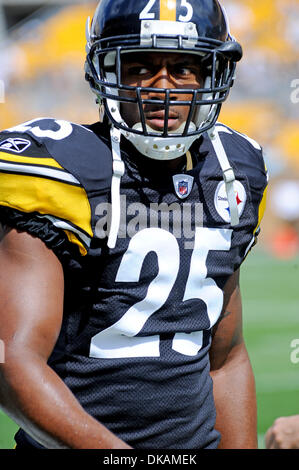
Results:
x,y
17,145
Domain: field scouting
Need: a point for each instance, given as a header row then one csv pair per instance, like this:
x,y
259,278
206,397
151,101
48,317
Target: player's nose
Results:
x,y
162,79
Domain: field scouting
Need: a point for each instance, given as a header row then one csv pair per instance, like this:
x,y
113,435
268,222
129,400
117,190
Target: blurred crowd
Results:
x,y
41,65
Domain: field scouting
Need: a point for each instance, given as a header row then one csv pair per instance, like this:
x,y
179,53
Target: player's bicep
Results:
x,y
227,333
31,294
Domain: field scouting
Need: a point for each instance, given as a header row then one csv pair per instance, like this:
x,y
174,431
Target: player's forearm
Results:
x,y
235,401
38,400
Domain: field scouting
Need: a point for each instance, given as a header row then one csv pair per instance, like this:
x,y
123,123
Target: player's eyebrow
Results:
x,y
137,60
148,62
186,62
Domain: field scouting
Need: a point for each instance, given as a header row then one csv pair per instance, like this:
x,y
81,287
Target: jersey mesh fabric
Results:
x,y
162,401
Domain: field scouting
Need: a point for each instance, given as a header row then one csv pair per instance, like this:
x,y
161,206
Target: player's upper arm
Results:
x,y
227,333
31,295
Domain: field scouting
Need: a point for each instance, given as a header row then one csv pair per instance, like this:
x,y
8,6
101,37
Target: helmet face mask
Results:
x,y
216,56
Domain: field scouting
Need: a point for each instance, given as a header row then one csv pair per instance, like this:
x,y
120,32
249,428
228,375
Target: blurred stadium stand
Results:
x,y
42,51
41,60
12,12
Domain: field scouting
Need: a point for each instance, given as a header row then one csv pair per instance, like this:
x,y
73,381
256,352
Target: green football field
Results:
x,y
270,291
271,322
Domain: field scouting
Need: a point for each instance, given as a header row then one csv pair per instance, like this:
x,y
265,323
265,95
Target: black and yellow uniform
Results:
x,y
137,322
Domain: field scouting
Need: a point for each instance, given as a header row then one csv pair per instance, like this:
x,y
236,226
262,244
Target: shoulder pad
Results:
x,y
49,167
245,155
76,148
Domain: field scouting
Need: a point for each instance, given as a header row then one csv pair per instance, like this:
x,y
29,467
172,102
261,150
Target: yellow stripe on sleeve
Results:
x,y
8,157
168,10
75,241
47,197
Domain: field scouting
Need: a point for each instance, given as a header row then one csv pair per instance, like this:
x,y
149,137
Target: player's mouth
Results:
x,y
156,120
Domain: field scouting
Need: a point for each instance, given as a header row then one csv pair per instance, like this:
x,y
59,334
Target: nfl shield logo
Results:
x,y
182,185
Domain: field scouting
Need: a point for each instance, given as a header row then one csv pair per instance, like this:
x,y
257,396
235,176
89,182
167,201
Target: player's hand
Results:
x,y
284,433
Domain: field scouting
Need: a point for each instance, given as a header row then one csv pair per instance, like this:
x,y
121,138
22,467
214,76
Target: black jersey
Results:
x,y
138,318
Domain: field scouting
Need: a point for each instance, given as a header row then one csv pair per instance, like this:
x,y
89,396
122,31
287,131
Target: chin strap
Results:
x,y
228,175
118,172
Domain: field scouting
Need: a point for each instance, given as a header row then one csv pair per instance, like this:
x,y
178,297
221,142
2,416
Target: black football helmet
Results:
x,y
183,26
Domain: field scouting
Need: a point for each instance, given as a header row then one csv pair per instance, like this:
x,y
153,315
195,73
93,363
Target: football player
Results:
x,y
122,241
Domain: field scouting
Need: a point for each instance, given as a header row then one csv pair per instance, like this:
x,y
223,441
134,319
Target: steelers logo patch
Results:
x,y
221,201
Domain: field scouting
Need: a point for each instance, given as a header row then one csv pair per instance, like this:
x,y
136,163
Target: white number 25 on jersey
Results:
x,y
120,340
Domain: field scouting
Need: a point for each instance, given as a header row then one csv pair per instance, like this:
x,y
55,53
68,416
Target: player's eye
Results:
x,y
138,70
184,70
